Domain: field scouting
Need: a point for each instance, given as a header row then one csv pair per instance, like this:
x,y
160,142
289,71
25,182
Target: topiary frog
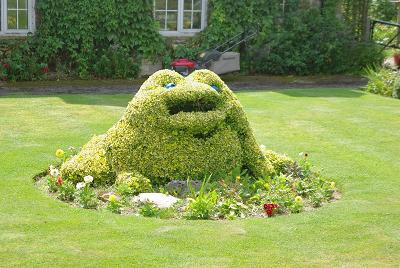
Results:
x,y
174,128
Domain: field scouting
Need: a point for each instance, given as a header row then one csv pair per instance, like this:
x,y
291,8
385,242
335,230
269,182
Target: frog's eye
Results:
x,y
215,87
170,86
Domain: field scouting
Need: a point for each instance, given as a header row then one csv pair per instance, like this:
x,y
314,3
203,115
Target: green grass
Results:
x,y
354,136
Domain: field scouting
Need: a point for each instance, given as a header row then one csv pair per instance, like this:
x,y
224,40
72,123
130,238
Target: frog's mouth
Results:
x,y
191,106
199,115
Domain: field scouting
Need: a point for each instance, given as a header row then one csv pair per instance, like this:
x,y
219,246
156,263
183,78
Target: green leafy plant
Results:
x,y
396,89
66,191
149,210
52,184
114,205
202,204
381,81
87,197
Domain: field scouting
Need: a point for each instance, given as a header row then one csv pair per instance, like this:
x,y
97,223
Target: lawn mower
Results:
x,y
220,59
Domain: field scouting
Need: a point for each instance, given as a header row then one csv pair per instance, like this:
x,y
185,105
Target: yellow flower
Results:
x,y
60,153
237,178
333,185
298,200
112,198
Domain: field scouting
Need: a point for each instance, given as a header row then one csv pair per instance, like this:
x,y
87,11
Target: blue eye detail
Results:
x,y
215,87
170,86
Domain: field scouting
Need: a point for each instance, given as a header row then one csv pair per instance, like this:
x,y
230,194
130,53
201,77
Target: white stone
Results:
x,y
158,199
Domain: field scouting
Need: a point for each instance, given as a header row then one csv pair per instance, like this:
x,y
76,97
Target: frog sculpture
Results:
x,y
175,127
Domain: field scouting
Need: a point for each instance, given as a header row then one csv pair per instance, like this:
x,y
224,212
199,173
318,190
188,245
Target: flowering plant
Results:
x,y
60,154
113,204
269,208
87,196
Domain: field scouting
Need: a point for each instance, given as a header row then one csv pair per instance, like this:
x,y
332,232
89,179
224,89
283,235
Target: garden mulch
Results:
x,y
236,83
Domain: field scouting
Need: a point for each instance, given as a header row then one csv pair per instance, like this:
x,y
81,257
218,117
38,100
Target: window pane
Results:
x,y
160,17
196,4
196,20
11,4
172,21
172,4
22,19
22,4
187,4
160,4
187,20
12,19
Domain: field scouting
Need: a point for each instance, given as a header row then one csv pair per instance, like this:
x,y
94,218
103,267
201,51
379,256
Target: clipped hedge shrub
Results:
x,y
174,128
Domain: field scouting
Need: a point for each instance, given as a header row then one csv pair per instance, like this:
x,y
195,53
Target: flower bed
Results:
x,y
296,188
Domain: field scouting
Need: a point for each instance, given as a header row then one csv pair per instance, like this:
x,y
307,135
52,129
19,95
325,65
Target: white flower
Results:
x,y
301,154
54,172
263,148
80,185
88,179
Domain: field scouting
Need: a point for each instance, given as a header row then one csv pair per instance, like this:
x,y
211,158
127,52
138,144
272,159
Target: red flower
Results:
x,y
59,181
269,208
6,66
45,70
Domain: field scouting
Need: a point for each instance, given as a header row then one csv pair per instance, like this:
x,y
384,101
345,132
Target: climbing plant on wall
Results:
x,y
105,38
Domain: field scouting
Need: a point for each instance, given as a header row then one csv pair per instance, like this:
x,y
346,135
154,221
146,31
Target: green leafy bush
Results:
x,y
116,63
301,41
87,196
67,191
133,183
396,89
149,210
202,204
114,205
381,81
86,38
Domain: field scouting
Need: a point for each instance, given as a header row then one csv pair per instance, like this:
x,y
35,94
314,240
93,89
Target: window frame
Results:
x,y
180,30
4,31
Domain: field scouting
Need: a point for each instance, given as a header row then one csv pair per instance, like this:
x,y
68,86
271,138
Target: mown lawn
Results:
x,y
354,136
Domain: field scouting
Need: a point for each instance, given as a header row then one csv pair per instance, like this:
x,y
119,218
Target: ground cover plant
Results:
x,y
189,128
352,134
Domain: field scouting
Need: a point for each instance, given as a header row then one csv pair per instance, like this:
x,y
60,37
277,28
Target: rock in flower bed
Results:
x,y
186,142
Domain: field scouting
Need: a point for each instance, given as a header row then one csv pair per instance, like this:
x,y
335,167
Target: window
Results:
x,y
180,17
16,17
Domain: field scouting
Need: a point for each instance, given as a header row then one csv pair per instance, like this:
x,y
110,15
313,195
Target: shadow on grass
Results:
x,y
323,93
118,100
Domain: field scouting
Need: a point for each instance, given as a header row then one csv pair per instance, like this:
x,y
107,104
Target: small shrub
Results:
x,y
67,191
381,81
396,89
149,210
114,205
201,205
52,184
87,196
230,208
281,163
133,184
116,63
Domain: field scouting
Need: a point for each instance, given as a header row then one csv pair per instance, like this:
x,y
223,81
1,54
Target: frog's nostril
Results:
x,y
170,86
